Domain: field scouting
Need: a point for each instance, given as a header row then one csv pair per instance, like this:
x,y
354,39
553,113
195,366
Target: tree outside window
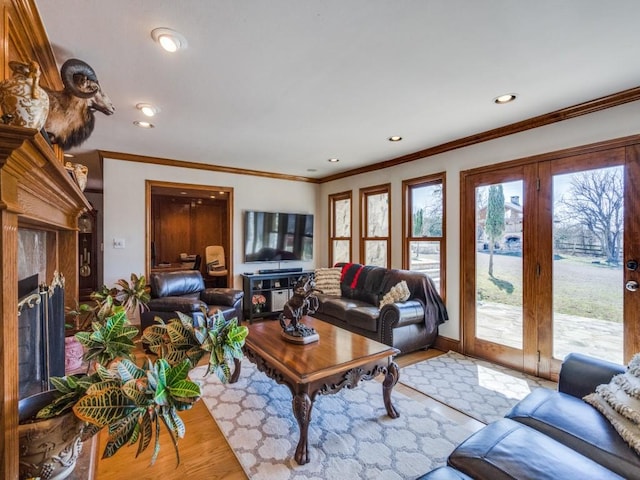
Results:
x,y
424,220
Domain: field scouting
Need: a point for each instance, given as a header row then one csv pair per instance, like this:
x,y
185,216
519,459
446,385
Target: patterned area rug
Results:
x,y
480,389
350,434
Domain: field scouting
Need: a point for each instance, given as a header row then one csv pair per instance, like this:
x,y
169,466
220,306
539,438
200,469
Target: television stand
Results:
x,y
276,287
280,270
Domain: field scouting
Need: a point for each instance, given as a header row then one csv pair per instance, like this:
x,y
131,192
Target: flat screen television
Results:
x,y
277,237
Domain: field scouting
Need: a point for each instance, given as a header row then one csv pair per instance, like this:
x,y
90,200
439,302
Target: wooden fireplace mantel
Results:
x,y
35,185
36,192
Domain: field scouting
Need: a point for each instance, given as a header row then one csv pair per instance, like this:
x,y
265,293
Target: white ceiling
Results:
x,y
283,85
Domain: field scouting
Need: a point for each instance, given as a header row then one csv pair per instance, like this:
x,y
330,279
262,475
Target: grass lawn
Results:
x,y
581,288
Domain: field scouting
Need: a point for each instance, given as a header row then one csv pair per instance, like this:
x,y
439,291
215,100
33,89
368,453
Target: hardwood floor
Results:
x,y
204,452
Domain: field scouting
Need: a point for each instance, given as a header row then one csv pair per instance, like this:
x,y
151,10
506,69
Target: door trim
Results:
x,y
538,337
150,184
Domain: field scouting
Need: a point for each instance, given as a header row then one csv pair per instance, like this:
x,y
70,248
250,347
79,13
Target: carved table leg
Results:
x,y
302,410
236,371
390,380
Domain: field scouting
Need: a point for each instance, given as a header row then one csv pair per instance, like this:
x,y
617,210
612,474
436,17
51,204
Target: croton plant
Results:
x,y
134,399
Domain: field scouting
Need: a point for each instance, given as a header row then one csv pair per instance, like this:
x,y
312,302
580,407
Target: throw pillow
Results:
x,y
619,402
328,280
398,293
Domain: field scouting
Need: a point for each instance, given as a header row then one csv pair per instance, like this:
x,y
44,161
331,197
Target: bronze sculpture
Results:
x,y
303,302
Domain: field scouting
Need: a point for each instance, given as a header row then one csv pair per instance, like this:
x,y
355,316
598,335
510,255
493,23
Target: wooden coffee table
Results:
x,y
339,359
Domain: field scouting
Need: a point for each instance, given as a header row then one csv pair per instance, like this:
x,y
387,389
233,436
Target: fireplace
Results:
x,y
40,334
36,194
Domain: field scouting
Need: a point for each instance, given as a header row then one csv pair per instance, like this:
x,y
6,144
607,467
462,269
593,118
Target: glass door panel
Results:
x,y
588,213
498,265
560,272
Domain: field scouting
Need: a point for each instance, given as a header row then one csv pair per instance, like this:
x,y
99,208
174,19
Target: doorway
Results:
x,y
182,220
549,246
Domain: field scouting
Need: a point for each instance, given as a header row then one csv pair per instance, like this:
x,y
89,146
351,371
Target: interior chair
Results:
x,y
216,265
184,291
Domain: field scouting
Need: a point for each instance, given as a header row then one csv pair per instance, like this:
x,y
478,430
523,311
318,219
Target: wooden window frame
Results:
x,y
407,222
333,198
364,219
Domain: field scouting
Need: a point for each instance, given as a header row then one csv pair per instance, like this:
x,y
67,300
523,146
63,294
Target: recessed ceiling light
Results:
x,y
509,97
334,160
212,196
147,109
143,124
395,138
221,193
183,193
168,39
69,155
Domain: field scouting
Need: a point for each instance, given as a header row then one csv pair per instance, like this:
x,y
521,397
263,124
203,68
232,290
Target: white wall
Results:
x,y
609,124
124,195
124,210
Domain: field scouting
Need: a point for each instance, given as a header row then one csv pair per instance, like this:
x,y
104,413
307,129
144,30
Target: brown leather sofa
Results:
x,y
408,326
184,291
549,435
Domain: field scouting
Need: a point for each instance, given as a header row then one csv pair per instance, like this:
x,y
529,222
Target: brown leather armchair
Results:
x,y
184,291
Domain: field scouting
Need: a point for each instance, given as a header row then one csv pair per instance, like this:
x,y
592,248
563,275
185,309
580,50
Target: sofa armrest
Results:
x,y
403,313
221,296
581,374
395,315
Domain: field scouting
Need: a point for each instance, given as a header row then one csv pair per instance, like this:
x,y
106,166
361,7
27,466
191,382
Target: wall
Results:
x,y
124,211
605,125
124,191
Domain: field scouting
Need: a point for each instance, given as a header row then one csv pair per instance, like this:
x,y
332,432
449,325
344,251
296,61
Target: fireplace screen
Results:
x,y
40,333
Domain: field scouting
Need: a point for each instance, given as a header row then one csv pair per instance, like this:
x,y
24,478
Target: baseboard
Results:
x,y
445,344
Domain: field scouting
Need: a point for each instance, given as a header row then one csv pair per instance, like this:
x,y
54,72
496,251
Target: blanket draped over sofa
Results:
x,y
407,325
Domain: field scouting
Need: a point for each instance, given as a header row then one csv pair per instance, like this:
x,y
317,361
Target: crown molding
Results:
x,y
201,166
602,103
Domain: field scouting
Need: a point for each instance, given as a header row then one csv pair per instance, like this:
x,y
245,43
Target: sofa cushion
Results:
x,y
170,284
365,318
339,307
362,282
507,450
328,280
581,374
398,293
578,425
619,401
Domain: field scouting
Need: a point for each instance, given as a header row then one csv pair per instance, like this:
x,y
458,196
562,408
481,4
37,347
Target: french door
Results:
x,y
549,258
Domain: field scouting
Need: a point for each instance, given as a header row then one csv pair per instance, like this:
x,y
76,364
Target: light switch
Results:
x,y
118,243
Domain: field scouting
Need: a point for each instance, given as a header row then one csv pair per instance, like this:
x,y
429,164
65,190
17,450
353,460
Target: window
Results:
x,y
424,227
340,228
375,245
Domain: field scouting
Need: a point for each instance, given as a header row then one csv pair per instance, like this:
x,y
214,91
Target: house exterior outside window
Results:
x,y
340,247
375,241
424,227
